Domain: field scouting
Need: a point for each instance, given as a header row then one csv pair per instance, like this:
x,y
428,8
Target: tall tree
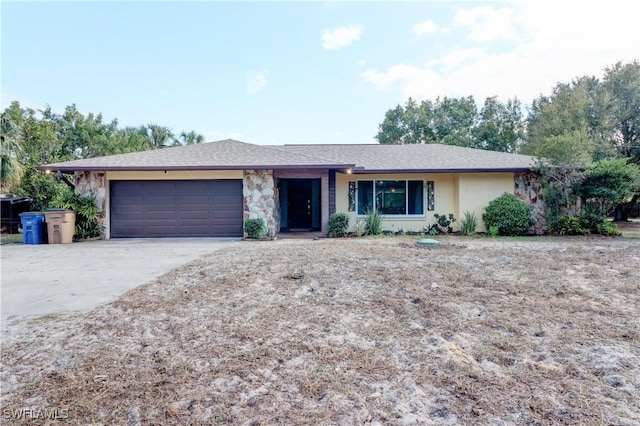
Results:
x,y
190,138
159,136
87,136
453,120
11,168
500,126
410,124
579,106
445,120
622,84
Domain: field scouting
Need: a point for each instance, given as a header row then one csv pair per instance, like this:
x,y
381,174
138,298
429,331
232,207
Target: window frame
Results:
x,y
406,200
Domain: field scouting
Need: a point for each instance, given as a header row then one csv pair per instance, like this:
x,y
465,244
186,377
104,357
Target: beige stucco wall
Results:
x,y
454,193
161,175
476,190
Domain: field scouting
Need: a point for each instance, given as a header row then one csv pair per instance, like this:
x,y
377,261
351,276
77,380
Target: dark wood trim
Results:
x,y
332,192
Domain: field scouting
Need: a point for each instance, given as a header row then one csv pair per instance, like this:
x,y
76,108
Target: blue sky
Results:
x,y
299,72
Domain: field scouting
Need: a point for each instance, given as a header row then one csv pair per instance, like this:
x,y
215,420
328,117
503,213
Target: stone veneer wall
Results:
x,y
528,188
93,183
259,190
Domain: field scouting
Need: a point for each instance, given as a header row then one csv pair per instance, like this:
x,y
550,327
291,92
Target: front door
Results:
x,y
300,204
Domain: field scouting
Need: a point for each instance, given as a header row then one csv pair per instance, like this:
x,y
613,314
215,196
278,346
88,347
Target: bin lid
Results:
x,y
31,214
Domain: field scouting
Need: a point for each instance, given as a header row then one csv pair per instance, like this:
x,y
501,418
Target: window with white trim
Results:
x,y
391,197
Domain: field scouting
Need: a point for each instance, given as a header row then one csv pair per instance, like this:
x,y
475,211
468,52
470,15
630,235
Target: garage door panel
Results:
x,y
176,208
162,200
194,199
194,216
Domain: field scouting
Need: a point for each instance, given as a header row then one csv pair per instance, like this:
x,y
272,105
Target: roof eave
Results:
x,y
465,170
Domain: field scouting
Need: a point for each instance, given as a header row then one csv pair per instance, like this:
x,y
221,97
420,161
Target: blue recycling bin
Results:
x,y
34,228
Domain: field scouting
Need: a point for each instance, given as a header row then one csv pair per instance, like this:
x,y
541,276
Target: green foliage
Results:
x,y
338,225
454,121
190,138
608,183
87,215
160,136
469,223
11,169
41,187
622,85
567,225
607,228
33,138
573,148
442,225
509,214
255,228
494,231
576,108
373,222
499,127
560,189
589,120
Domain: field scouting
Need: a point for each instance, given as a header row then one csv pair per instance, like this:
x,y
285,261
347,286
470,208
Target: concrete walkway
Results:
x,y
67,278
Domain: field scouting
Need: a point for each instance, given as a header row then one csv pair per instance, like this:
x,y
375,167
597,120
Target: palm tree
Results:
x,y
159,136
11,168
190,138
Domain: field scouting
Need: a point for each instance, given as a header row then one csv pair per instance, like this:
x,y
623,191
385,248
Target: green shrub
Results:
x,y
87,214
494,231
607,228
568,225
442,225
338,225
373,222
469,223
590,218
509,214
255,228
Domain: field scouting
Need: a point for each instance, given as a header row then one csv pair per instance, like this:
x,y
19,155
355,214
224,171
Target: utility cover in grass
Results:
x,y
427,241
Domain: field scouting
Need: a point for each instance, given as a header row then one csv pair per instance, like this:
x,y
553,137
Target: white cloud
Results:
x,y
425,27
456,58
256,82
340,37
412,81
486,23
554,42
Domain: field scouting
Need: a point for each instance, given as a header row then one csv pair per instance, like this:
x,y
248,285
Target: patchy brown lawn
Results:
x,y
474,331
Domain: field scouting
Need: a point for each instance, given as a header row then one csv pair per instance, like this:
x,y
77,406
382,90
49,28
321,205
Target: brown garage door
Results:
x,y
176,208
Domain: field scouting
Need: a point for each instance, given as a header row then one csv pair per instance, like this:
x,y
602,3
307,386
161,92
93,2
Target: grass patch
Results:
x,y
11,239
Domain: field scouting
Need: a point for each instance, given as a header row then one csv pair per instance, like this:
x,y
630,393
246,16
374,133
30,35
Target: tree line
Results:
x,y
588,128
32,138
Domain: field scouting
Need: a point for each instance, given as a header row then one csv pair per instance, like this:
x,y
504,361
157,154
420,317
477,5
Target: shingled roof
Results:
x,y
416,158
227,154
235,155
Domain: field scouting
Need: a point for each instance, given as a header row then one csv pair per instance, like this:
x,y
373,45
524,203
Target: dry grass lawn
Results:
x,y
531,331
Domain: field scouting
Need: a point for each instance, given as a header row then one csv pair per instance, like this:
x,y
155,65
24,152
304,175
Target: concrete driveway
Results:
x,y
66,278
